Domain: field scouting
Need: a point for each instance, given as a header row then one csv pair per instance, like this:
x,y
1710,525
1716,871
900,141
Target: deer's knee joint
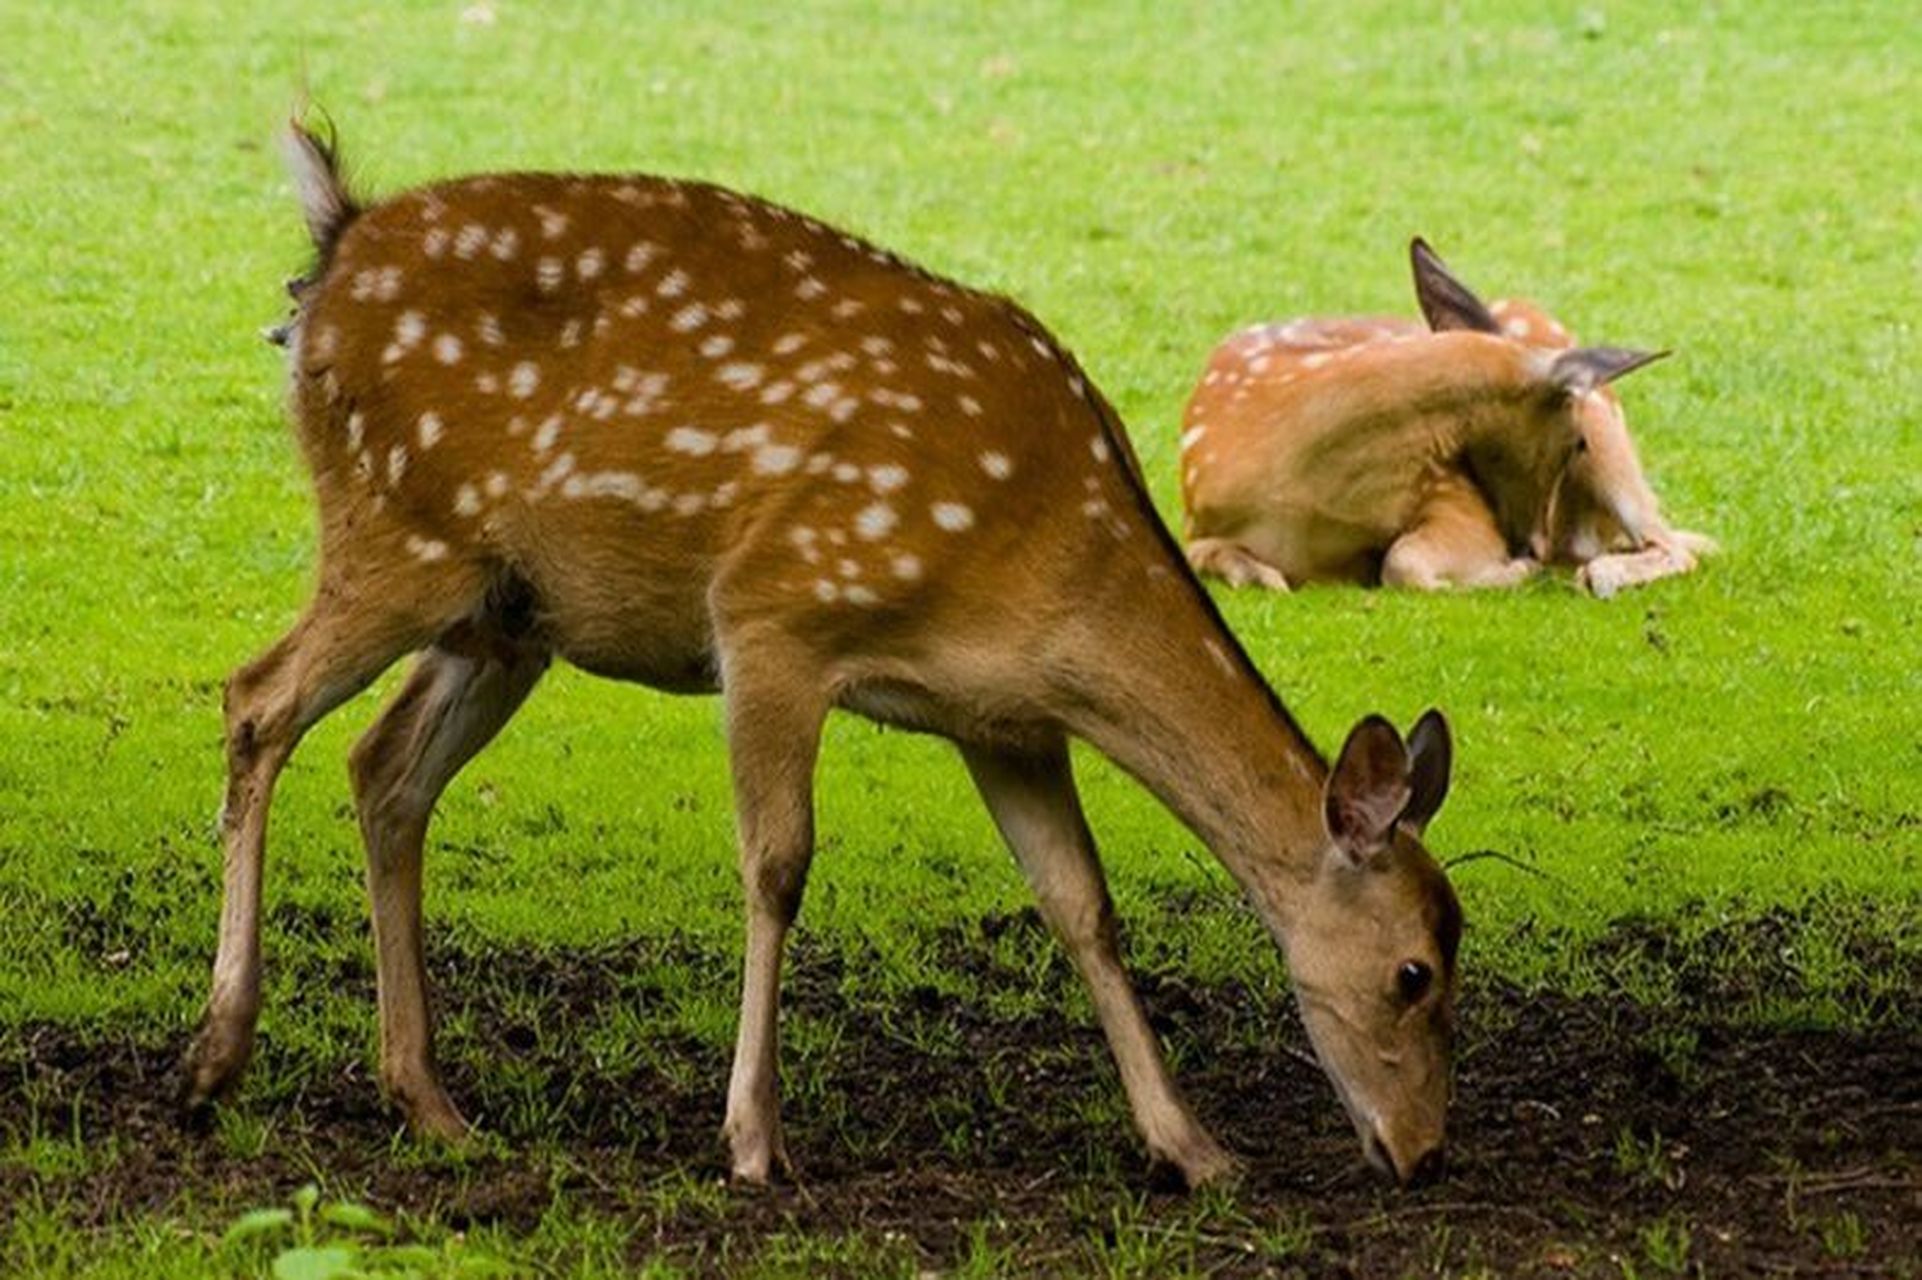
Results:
x,y
776,884
1409,566
364,772
1081,919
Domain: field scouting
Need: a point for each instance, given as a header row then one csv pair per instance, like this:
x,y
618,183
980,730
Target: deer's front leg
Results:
x,y
774,716
1033,800
451,706
1454,542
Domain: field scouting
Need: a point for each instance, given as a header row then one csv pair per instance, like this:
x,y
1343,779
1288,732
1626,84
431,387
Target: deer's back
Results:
x,y
623,390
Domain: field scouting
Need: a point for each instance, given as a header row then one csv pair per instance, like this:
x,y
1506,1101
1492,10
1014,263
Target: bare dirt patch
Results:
x,y
1587,1133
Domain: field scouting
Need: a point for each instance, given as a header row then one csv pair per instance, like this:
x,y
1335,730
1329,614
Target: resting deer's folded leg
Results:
x,y
459,695
346,638
1033,800
1234,564
1453,542
774,714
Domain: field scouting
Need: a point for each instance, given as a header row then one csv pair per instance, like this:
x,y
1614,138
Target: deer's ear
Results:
x,y
1431,757
1580,370
1367,790
1445,301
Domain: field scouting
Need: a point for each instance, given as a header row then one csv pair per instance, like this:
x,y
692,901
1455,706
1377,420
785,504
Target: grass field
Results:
x,y
1716,782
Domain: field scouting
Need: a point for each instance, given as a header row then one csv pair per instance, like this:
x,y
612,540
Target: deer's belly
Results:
x,y
635,619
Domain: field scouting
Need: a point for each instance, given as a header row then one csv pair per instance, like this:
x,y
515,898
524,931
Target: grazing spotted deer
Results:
x,y
685,437
1367,447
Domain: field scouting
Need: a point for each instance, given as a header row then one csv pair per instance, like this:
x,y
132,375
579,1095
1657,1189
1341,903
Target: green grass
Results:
x,y
1739,185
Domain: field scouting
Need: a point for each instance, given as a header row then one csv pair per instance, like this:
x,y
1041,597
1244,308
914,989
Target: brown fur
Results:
x,y
951,536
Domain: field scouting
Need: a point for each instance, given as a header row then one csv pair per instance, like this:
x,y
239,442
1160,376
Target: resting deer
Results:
x,y
676,435
1363,448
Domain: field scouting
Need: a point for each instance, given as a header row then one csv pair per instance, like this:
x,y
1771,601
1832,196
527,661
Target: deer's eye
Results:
x,y
1413,980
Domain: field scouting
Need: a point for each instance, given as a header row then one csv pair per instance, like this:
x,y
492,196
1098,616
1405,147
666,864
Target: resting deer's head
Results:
x,y
1565,408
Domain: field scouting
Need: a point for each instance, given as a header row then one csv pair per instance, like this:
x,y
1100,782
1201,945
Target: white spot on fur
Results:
x,y
742,439
409,328
688,318
547,433
639,254
548,274
429,428
1191,436
997,464
590,264
776,459
952,516
1099,448
692,441
467,501
875,521
739,375
523,380
672,285
907,567
716,345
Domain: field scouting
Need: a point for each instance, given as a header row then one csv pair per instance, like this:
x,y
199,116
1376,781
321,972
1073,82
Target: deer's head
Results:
x,y
1372,945
1565,410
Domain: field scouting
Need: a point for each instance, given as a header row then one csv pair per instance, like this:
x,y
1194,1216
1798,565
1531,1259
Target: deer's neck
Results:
x,y
1162,689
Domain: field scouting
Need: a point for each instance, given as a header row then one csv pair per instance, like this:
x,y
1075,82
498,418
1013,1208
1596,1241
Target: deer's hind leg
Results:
x,y
459,695
1234,564
1454,542
354,628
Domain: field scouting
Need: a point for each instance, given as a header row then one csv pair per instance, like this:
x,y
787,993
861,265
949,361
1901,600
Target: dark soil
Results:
x,y
1591,1136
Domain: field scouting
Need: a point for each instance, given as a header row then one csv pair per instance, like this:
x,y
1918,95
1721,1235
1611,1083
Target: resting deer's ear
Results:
x,y
1367,790
1445,301
1431,755
1580,370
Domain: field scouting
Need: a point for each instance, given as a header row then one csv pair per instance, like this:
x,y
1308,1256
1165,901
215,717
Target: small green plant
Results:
x,y
1649,1160
1666,1245
1843,1235
343,1240
1290,1235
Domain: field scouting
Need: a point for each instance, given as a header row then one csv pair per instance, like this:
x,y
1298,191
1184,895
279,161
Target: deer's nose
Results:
x,y
1426,1168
